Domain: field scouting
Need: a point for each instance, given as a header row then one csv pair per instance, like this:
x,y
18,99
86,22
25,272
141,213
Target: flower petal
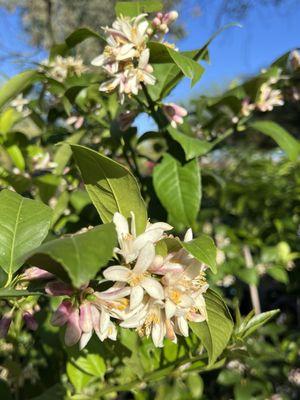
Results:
x,y
145,258
117,273
136,296
170,309
121,224
153,288
85,338
183,326
104,321
73,331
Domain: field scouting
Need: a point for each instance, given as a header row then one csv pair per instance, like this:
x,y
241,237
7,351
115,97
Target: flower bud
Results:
x,y
62,314
73,330
57,288
33,273
85,318
174,113
30,321
156,22
4,325
170,17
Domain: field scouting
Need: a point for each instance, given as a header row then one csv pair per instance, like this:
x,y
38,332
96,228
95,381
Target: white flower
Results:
x,y
138,278
61,67
269,98
151,320
126,57
19,103
131,244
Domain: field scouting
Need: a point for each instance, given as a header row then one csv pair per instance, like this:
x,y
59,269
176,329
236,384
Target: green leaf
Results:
x,y
81,255
216,331
78,378
6,293
278,273
92,364
16,85
75,38
178,188
192,147
64,153
7,120
134,8
159,53
284,140
110,186
57,391
79,36
24,224
247,327
16,156
204,250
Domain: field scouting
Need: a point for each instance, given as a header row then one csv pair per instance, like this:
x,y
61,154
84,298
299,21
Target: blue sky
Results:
x,y
267,33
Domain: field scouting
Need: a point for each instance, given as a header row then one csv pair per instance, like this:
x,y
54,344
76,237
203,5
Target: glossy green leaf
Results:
x,y
216,331
187,65
15,85
204,250
248,326
134,8
192,147
7,120
81,255
110,185
284,140
178,188
24,224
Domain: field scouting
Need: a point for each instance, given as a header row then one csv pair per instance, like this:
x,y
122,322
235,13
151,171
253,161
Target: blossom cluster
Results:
x,y
267,100
61,67
126,56
155,294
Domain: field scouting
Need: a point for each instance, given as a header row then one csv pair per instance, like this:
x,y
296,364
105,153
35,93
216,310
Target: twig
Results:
x,y
253,288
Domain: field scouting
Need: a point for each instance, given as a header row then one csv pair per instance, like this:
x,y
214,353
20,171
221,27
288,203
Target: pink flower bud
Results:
x,y
156,22
62,314
159,15
170,17
33,273
57,288
4,325
85,319
174,113
30,321
73,330
178,109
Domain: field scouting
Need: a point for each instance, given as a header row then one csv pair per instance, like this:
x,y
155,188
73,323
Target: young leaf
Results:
x,y
92,364
81,255
15,85
284,140
134,8
110,186
249,326
216,331
204,250
24,224
178,188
